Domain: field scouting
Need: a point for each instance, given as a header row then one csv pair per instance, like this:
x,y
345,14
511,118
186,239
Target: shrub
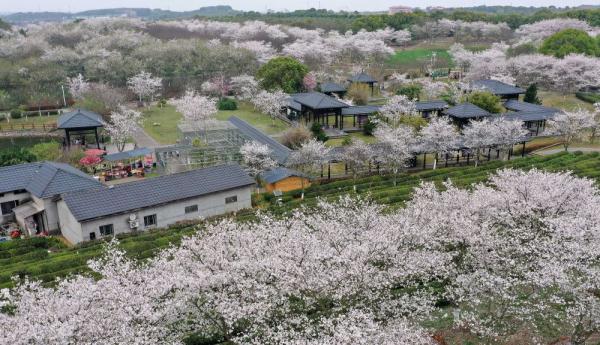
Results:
x,y
485,100
588,97
227,104
49,151
16,113
318,132
369,127
412,91
570,41
16,156
531,95
295,137
359,93
285,73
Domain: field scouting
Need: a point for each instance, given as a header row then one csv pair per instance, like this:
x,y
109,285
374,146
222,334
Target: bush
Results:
x,y
295,137
531,95
412,91
49,151
16,156
588,97
318,132
227,104
485,100
16,113
570,41
285,73
359,93
369,127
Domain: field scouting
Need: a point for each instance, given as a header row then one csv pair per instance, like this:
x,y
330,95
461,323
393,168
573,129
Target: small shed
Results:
x,y
80,122
330,88
284,180
464,112
363,78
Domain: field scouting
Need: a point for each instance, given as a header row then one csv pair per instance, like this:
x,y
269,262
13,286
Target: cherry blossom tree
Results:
x,y
244,86
394,147
439,137
507,133
309,158
574,72
144,85
478,135
197,110
270,103
257,157
310,81
123,123
594,128
397,107
357,156
78,86
537,31
570,125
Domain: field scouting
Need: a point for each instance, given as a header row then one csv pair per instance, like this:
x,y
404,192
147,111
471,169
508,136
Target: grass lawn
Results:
x,y
358,135
414,58
261,121
567,102
161,123
27,123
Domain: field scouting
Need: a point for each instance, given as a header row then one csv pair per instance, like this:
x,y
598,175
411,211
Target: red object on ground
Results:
x,y
15,234
90,160
94,152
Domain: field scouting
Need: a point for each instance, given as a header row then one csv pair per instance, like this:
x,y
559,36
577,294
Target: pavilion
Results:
x,y
363,78
317,107
464,112
498,88
433,107
80,122
330,89
359,114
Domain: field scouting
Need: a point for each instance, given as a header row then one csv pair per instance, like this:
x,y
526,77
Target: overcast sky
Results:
x,y
262,5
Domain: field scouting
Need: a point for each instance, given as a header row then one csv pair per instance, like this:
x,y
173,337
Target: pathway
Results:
x,y
571,149
142,139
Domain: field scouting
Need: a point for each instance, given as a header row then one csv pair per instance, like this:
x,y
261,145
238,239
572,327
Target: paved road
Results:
x,y
571,149
142,139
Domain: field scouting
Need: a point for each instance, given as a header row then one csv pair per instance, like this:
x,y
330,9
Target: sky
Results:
x,y
263,5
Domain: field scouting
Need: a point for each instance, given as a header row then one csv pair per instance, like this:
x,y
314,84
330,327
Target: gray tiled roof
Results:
x,y
466,111
279,174
431,105
332,87
294,105
360,110
516,105
526,116
280,152
318,100
45,179
497,87
127,197
362,78
80,118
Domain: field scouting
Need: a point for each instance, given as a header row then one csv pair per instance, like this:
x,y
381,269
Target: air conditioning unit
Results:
x,y
133,221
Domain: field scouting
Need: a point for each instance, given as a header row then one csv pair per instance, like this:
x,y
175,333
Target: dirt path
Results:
x,y
142,139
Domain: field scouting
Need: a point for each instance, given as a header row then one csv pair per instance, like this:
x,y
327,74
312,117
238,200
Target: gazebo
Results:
x,y
433,107
317,107
80,122
363,78
464,112
360,113
330,88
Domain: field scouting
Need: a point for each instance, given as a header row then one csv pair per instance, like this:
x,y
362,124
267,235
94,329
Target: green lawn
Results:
x,y
28,122
32,257
261,121
559,100
161,123
415,57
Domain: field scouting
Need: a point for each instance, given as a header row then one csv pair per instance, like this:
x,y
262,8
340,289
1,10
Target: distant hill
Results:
x,y
143,13
525,10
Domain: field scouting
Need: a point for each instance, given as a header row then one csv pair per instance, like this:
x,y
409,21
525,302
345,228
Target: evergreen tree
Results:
x,y
531,95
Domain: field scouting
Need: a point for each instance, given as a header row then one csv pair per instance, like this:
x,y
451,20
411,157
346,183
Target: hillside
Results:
x,y
143,13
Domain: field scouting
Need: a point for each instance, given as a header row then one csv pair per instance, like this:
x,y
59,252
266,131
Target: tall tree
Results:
x,y
531,95
439,137
570,41
270,103
283,73
197,110
257,157
394,147
144,85
309,159
570,125
357,156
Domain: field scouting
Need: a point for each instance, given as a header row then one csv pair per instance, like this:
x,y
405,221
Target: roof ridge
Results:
x,y
47,182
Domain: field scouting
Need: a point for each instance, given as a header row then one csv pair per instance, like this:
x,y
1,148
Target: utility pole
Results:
x,y
62,87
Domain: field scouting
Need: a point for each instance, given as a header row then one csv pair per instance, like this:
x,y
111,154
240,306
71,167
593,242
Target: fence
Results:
x,y
7,127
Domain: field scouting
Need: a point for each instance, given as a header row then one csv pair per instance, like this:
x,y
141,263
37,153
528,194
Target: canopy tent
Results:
x,y
125,155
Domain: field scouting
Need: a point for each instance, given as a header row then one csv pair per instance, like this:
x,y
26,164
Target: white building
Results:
x,y
154,203
57,198
400,9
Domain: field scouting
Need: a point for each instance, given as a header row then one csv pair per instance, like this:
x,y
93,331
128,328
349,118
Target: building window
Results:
x,y
191,209
92,236
20,191
106,230
150,220
8,206
231,199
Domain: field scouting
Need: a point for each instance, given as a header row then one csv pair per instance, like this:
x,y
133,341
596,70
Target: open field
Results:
x,y
33,258
558,100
